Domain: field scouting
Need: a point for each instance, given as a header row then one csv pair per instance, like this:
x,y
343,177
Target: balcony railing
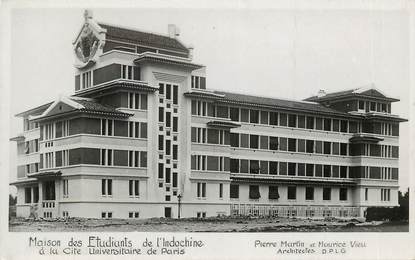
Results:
x,y
48,204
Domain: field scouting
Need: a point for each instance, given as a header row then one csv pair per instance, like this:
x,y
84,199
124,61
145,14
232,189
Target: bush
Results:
x,y
400,213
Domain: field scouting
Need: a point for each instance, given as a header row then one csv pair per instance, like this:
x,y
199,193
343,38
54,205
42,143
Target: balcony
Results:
x,y
48,204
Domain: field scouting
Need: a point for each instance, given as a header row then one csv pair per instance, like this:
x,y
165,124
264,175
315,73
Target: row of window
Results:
x,y
133,188
201,190
385,194
168,147
209,163
372,106
135,158
201,108
137,101
288,168
287,144
254,192
29,125
210,136
198,82
165,173
31,146
170,92
168,119
127,72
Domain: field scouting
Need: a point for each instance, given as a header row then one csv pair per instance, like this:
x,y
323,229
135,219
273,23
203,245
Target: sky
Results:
x,y
289,54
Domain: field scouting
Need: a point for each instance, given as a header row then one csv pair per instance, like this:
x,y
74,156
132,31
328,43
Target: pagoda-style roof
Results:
x,y
368,92
138,37
118,84
75,105
149,57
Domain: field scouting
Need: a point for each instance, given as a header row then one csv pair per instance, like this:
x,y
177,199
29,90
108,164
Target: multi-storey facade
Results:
x,y
142,136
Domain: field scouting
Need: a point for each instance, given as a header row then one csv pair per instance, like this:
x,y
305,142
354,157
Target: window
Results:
x,y
244,115
273,118
106,157
234,139
106,215
326,193
175,94
327,147
273,143
283,168
174,179
253,141
175,152
372,106
327,170
168,119
319,123
309,169
234,165
343,126
336,125
343,194
137,101
291,192
366,194
175,124
254,166
384,194
133,188
254,116
106,187
361,105
222,112
292,169
167,148
133,214
86,79
318,170
292,144
65,188
309,146
301,121
234,191
273,193
220,190
273,168
292,120
254,192
28,195
244,166
343,149
244,140
201,190
168,91
309,193
234,113
310,122
264,118
327,124
343,171
301,169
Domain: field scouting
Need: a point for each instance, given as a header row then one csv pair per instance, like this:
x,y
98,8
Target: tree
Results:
x,y
12,200
403,200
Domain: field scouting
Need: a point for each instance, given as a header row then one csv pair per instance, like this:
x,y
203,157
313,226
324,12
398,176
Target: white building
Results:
x,y
142,130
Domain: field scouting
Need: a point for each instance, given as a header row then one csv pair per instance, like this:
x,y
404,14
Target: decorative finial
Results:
x,y
87,15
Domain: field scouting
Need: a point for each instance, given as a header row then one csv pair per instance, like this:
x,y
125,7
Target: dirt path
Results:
x,y
199,225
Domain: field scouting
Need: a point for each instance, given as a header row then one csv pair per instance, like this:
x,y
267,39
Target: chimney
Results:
x,y
321,93
190,48
174,31
87,15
